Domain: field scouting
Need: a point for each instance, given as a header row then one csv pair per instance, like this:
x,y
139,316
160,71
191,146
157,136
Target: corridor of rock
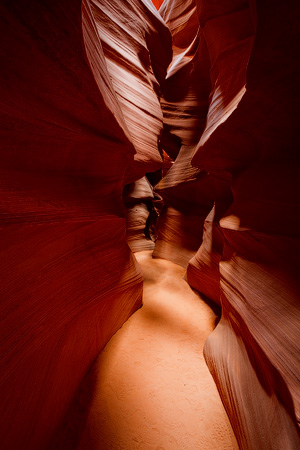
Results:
x,y
149,217
152,388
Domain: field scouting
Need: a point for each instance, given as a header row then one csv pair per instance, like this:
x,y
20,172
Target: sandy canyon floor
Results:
x,y
152,389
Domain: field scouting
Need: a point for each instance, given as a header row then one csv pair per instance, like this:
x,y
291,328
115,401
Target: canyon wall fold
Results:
x,y
189,192
184,104
95,108
137,48
248,260
68,278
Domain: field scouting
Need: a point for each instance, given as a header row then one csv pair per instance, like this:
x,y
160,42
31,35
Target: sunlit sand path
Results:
x,y
152,389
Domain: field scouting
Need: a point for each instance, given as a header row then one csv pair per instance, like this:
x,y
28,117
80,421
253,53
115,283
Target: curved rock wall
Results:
x,y
138,199
184,105
68,278
189,192
137,49
259,266
248,261
229,32
80,120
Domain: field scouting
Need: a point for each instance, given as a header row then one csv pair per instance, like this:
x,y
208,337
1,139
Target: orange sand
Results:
x,y
153,390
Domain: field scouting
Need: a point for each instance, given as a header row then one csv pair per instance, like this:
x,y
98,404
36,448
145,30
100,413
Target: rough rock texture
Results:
x,y
68,279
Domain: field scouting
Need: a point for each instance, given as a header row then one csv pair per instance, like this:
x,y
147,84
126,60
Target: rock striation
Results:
x,y
69,145
248,261
137,48
97,104
138,199
189,192
184,105
259,263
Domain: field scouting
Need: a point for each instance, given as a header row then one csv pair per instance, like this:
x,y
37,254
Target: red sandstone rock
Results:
x,y
203,269
209,54
71,91
251,132
254,352
186,207
68,278
138,198
137,49
184,105
228,30
185,98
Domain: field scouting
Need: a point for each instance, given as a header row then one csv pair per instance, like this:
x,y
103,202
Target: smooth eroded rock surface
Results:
x,y
68,280
95,111
251,133
248,258
137,49
150,387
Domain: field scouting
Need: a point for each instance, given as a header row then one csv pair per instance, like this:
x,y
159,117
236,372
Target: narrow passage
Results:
x,y
153,390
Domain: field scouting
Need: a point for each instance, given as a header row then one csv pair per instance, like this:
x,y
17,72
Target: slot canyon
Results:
x,y
150,222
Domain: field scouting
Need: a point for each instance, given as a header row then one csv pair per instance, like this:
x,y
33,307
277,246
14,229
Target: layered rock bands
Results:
x,y
234,189
101,101
80,119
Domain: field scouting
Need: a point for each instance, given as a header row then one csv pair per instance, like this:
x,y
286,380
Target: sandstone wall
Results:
x,y
248,261
81,119
189,192
68,147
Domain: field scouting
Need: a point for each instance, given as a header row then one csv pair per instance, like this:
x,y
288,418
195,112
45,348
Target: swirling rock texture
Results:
x,y
80,121
137,49
184,106
259,264
249,258
68,143
228,30
189,192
